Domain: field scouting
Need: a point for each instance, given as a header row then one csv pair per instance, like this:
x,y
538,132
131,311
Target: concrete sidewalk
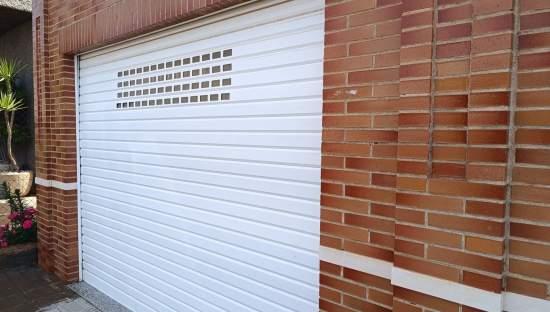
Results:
x,y
29,289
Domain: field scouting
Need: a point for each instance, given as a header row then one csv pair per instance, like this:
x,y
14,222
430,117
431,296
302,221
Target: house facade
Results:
x,y
300,155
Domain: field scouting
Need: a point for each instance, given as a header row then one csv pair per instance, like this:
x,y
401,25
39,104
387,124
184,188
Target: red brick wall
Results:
x,y
435,147
529,246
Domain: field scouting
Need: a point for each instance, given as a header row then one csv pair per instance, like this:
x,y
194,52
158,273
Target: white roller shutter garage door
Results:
x,y
199,160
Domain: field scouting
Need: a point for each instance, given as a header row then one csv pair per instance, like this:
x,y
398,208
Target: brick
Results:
x,y
345,176
333,107
450,119
344,231
530,250
524,287
532,269
455,13
375,16
332,188
329,294
342,285
492,118
533,98
386,60
487,99
530,231
371,106
464,224
416,36
430,302
531,175
411,248
453,49
493,24
452,68
485,172
336,51
441,170
464,259
371,223
367,279
388,28
533,156
528,5
484,154
467,189
413,136
350,63
530,212
427,267
449,136
416,53
427,235
449,153
370,76
492,43
492,62
375,45
330,268
410,216
385,240
454,31
411,184
416,5
430,202
356,121
380,297
336,24
487,136
325,305
452,84
413,119
490,81
533,136
379,195
415,70
346,204
532,41
482,282
487,7
534,21
368,250
533,118
349,7
384,180
387,211
345,149
362,305
371,136
399,306
354,34
416,20
413,152
482,245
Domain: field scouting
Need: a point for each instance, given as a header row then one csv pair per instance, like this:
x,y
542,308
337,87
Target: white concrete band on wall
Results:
x,y
56,184
436,287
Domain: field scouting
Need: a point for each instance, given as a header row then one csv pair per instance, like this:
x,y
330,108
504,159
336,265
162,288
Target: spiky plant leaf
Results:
x,y
9,69
8,102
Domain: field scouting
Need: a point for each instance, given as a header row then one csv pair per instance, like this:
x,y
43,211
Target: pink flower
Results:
x,y
13,215
29,211
27,224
